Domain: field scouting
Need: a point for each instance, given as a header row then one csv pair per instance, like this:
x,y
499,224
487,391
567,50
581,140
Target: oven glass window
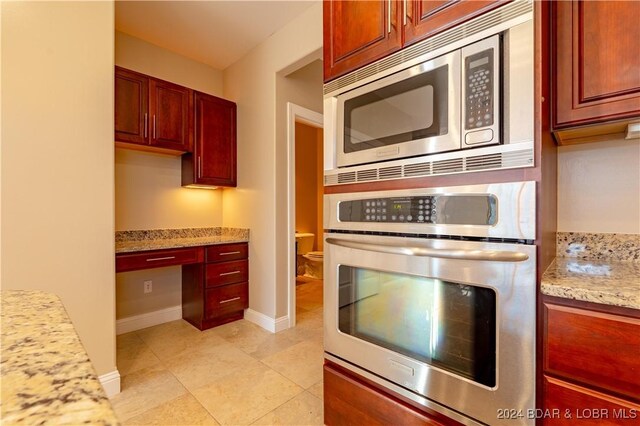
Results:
x,y
411,109
445,324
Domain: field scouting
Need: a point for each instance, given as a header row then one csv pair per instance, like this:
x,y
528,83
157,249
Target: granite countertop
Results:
x,y
47,377
158,239
598,281
597,268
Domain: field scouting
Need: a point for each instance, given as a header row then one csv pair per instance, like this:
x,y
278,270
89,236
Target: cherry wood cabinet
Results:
x,y
217,291
351,400
427,18
151,114
590,359
135,261
357,33
213,161
596,62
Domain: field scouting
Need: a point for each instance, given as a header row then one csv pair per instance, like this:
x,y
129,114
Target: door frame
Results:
x,y
295,113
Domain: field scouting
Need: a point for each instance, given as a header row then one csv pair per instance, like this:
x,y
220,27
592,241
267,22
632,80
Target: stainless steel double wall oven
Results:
x,y
431,293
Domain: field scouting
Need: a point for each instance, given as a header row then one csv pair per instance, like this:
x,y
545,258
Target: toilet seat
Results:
x,y
315,255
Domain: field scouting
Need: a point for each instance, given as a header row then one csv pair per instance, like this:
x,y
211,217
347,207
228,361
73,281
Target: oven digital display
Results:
x,y
435,209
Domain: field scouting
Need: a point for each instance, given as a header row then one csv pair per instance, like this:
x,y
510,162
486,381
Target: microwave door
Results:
x,y
413,112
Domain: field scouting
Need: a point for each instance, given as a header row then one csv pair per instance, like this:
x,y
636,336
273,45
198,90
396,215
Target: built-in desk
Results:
x,y
215,269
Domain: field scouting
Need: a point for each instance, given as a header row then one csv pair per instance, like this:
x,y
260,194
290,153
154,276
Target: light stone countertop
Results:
x,y
47,377
168,243
607,282
159,239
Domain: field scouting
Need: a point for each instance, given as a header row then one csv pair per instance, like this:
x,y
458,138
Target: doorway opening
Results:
x,y
306,176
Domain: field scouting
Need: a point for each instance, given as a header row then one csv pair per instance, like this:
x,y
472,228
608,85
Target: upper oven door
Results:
x,y
413,112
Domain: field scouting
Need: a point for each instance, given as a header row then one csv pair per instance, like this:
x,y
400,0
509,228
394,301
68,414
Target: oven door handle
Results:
x,y
462,254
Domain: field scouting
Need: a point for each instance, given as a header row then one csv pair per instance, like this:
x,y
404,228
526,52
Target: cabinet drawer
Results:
x,y
595,348
226,299
226,252
158,258
227,273
585,406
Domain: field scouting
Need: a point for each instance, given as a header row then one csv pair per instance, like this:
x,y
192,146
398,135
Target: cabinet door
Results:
x,y
427,18
131,107
169,110
359,32
569,404
215,141
597,58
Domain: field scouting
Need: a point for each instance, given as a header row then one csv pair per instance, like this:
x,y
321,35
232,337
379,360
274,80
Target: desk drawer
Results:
x,y
227,252
226,299
158,258
227,273
594,348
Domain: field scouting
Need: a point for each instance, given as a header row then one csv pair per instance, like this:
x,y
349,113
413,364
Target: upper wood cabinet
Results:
x,y
357,33
213,161
427,18
152,114
596,62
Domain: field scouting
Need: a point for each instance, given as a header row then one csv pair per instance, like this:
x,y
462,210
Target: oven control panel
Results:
x,y
431,209
397,209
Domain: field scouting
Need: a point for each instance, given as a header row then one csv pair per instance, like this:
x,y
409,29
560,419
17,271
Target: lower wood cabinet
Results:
x,y
350,400
591,363
217,291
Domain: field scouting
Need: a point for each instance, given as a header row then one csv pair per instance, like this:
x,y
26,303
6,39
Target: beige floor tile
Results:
x,y
177,338
255,340
201,368
304,409
317,390
301,363
244,397
145,389
309,295
133,354
185,410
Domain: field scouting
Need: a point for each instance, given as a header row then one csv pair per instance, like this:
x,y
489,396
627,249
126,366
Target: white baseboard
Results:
x,y
110,383
138,322
266,322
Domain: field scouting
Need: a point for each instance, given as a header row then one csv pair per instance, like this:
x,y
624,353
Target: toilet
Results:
x,y
310,263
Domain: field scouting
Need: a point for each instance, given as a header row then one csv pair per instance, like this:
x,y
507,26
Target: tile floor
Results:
x,y
235,374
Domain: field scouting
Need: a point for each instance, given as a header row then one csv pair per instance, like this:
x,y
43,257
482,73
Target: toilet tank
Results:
x,y
305,242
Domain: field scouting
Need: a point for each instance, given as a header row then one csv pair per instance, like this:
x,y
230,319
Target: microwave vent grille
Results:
x,y
484,22
393,172
489,161
448,166
418,169
483,162
348,177
367,175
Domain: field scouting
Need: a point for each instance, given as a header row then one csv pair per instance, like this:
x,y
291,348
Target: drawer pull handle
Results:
x,y
230,300
229,252
229,273
161,258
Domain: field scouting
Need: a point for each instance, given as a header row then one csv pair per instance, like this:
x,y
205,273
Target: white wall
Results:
x,y
57,162
251,83
599,187
148,186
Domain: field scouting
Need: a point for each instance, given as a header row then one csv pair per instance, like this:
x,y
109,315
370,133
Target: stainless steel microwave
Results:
x,y
470,92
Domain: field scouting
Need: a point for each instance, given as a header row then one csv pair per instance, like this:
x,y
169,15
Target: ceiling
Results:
x,y
217,33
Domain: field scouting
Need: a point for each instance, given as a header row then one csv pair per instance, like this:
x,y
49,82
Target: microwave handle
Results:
x,y
492,255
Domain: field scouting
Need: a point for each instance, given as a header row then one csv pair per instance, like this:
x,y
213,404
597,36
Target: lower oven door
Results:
x,y
450,321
